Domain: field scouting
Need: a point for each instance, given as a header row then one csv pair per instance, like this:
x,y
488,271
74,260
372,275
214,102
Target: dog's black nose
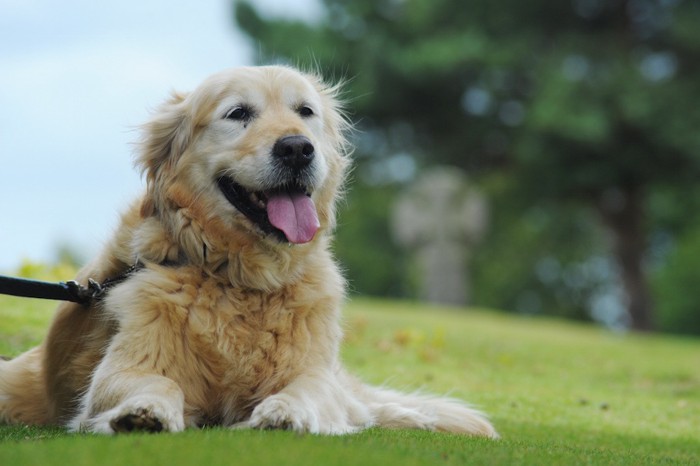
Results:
x,y
294,151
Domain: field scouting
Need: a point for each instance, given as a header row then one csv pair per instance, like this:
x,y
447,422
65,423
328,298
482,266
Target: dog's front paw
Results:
x,y
135,415
283,412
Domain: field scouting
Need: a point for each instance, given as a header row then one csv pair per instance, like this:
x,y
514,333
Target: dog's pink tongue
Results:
x,y
294,214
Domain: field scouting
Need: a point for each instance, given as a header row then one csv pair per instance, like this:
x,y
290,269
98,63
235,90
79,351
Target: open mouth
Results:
x,y
287,212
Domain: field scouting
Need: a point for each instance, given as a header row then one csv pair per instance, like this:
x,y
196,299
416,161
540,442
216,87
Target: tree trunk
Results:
x,y
623,212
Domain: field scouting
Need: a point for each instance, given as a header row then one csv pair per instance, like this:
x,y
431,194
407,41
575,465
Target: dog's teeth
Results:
x,y
255,199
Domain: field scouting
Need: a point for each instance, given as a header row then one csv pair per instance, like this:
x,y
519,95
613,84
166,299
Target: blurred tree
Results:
x,y
588,101
544,258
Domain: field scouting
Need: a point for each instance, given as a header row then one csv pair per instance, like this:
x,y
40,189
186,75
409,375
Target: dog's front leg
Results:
x,y
125,400
318,403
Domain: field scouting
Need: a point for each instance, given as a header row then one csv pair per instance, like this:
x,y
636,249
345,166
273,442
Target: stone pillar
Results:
x,y
439,219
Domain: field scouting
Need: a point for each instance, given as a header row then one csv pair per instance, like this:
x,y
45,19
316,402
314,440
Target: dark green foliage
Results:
x,y
677,287
373,264
525,248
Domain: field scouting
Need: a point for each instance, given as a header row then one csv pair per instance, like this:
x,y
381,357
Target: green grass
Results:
x,y
559,393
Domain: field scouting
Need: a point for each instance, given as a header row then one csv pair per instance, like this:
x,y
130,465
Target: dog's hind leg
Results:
x,y
22,389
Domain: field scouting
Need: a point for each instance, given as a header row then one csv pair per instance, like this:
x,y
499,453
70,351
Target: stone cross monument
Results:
x,y
439,219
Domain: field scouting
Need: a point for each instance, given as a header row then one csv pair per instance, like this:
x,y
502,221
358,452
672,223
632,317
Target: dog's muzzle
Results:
x,y
286,210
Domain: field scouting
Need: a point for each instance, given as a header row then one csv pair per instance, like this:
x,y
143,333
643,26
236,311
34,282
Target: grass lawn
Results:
x,y
559,393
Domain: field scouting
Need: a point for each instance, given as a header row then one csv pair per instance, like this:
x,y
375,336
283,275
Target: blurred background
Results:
x,y
536,157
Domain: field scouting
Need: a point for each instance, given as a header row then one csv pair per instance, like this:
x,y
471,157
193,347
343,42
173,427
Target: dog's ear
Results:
x,y
164,138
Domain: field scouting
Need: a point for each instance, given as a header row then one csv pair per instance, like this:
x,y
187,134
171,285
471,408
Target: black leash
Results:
x,y
63,291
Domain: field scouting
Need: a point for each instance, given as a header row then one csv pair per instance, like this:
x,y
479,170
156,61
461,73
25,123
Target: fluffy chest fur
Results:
x,y
227,347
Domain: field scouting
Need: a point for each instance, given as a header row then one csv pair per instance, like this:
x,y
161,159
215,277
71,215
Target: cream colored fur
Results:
x,y
225,325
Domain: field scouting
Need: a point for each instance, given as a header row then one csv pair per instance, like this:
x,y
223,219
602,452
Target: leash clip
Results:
x,y
85,294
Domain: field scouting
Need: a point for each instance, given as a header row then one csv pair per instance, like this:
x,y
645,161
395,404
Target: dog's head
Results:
x,y
253,151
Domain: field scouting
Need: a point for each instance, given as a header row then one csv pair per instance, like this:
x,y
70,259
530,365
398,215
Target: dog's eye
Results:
x,y
239,114
305,111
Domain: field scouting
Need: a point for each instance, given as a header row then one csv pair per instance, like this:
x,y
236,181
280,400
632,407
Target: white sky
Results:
x,y
76,78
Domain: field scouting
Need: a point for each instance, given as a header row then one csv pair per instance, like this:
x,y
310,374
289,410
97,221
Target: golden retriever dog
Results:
x,y
232,315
